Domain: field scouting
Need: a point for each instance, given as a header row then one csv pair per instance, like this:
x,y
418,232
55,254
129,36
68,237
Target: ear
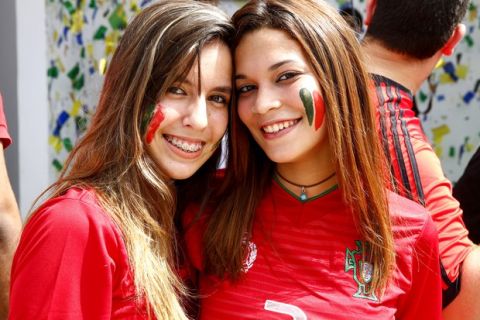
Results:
x,y
370,11
455,38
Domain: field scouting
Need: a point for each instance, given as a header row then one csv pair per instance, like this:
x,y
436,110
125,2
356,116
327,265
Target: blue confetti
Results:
x,y
65,32
468,97
440,97
144,3
62,118
449,68
80,39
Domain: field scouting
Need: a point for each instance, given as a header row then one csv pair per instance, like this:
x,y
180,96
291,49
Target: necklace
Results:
x,y
303,192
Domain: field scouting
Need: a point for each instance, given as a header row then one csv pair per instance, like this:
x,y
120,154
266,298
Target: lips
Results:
x,y
184,145
279,126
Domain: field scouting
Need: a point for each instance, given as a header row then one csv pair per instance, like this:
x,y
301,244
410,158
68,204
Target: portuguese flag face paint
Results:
x,y
319,109
314,107
152,119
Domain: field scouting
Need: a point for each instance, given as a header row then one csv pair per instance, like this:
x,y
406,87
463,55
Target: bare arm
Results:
x,y
10,227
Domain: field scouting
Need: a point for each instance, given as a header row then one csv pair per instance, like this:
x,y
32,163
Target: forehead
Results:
x,y
215,61
266,45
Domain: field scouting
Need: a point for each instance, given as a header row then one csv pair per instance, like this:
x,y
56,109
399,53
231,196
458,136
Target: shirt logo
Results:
x,y
251,257
362,270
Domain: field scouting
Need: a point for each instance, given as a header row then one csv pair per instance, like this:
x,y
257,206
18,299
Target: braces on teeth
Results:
x,y
184,145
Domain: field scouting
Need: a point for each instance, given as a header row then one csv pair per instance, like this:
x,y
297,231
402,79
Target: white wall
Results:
x,y
32,101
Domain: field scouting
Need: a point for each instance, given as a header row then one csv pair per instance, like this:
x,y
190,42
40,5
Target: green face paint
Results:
x,y
307,101
147,117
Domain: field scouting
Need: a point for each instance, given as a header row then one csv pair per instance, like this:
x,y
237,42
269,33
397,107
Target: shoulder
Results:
x,y
75,215
411,222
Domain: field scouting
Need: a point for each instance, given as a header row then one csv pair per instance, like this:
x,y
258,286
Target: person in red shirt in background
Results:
x,y
10,222
103,245
304,225
403,43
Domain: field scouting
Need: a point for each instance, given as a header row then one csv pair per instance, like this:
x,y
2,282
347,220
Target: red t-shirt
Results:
x,y
72,263
418,174
305,262
4,136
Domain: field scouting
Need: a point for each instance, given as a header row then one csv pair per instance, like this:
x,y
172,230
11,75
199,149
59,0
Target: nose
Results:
x,y
196,115
265,101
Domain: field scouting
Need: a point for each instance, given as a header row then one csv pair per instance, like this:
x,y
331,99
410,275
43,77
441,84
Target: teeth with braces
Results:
x,y
183,145
274,128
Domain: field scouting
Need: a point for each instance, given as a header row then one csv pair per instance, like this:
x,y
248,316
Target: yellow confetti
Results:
x,y
439,133
472,15
134,6
469,147
56,143
462,71
446,78
66,21
438,151
60,65
77,21
440,63
111,41
55,36
75,108
89,50
102,64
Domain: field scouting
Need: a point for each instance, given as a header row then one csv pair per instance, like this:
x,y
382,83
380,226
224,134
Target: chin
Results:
x,y
181,173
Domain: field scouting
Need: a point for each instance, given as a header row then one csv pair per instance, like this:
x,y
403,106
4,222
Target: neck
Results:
x,y
307,181
409,72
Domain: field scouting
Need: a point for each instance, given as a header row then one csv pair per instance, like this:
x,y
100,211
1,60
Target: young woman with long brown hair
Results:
x,y
103,245
305,226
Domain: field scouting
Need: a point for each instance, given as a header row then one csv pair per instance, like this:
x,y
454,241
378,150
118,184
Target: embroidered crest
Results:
x,y
362,270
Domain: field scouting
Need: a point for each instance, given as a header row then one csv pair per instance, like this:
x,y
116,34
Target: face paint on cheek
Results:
x,y
319,109
151,121
307,101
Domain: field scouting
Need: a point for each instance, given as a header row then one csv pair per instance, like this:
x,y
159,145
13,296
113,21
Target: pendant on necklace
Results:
x,y
303,194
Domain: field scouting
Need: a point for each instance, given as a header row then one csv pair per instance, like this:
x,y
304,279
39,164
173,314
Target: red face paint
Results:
x,y
154,124
319,109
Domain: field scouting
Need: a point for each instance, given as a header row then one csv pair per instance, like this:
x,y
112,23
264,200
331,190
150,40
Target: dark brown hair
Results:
x,y
159,46
418,28
333,52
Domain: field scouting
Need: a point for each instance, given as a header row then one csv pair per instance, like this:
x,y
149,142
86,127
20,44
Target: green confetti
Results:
x,y
78,84
52,72
307,100
67,143
69,6
469,40
81,124
423,97
82,52
73,73
57,164
92,4
118,19
451,152
100,33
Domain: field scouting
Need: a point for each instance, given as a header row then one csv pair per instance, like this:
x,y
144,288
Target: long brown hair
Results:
x,y
334,54
159,47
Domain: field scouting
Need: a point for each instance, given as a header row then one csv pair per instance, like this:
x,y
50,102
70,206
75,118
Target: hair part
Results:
x,y
417,28
334,55
159,46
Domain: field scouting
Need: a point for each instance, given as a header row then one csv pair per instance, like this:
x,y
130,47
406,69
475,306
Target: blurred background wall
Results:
x,y
53,55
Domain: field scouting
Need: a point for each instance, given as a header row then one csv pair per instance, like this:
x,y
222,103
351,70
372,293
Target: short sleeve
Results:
x,y
64,264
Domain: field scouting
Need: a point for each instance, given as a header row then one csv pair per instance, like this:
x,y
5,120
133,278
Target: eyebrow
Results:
x,y
271,68
224,89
